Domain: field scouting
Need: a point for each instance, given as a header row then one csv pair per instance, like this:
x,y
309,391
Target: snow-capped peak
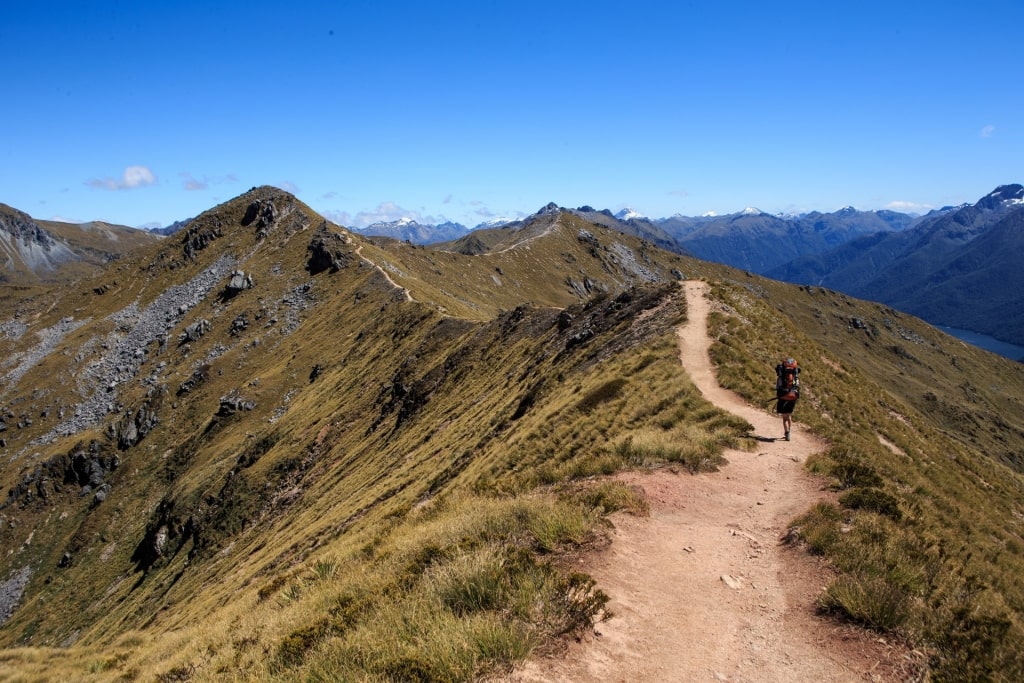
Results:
x,y
751,211
628,214
496,222
709,214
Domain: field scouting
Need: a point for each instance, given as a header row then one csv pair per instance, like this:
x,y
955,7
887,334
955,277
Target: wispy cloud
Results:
x,y
680,193
288,186
132,178
191,184
987,131
908,207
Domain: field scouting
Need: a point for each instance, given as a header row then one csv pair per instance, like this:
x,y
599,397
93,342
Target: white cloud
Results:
x,y
133,177
137,176
987,131
908,207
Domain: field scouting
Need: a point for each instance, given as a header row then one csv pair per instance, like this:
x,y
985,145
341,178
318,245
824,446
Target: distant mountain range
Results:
x,y
960,266
956,266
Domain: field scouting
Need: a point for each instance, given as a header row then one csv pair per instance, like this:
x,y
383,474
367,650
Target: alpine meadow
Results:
x,y
269,448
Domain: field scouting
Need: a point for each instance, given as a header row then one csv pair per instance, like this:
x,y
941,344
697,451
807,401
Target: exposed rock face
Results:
x,y
263,213
197,238
135,425
20,225
194,331
234,403
200,375
325,252
166,533
84,467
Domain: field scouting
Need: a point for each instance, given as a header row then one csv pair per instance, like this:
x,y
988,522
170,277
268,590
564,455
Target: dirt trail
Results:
x,y
702,590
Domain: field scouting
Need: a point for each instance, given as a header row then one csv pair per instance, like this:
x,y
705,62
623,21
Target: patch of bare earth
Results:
x,y
702,589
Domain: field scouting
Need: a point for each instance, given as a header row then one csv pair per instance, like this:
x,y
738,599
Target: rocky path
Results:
x,y
702,590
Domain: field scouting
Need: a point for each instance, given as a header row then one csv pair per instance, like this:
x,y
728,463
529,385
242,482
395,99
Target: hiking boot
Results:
x,y
787,435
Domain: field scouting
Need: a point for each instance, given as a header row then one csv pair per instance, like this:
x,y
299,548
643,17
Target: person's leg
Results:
x,y
787,423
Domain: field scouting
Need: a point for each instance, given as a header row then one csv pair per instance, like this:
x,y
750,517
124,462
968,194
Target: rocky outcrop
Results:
x,y
234,403
197,238
135,425
263,214
20,225
325,252
194,331
85,469
199,375
167,532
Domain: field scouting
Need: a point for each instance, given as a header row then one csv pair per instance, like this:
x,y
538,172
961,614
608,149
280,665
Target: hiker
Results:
x,y
787,391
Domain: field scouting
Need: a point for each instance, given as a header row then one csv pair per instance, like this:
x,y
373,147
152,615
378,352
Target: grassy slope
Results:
x,y
925,445
420,472
402,515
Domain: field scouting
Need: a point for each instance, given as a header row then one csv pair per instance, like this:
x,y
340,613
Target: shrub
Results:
x,y
819,528
608,391
871,601
872,499
609,496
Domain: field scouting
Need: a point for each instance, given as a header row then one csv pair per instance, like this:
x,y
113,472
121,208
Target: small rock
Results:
x,y
732,582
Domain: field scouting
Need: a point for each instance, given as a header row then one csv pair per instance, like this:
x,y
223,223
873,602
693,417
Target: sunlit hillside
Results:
x,y
267,448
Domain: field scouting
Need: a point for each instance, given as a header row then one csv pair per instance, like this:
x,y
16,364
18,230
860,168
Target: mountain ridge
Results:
x,y
244,447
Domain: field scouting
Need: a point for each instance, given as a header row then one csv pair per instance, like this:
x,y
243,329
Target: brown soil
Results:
x,y
702,589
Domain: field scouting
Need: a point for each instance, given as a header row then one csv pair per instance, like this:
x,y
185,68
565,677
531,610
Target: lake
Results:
x,y
1011,351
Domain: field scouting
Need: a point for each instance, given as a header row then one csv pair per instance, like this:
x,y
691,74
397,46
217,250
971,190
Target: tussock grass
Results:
x,y
456,591
921,534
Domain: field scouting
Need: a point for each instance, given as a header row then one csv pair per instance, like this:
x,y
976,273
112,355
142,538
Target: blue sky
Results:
x,y
144,113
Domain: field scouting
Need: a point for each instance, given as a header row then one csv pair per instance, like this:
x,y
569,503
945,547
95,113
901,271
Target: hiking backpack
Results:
x,y
787,386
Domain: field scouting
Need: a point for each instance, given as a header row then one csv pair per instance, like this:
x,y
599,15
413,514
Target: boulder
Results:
x,y
194,331
234,403
238,283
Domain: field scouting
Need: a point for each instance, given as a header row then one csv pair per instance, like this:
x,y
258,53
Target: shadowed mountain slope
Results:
x,y
958,267
34,252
